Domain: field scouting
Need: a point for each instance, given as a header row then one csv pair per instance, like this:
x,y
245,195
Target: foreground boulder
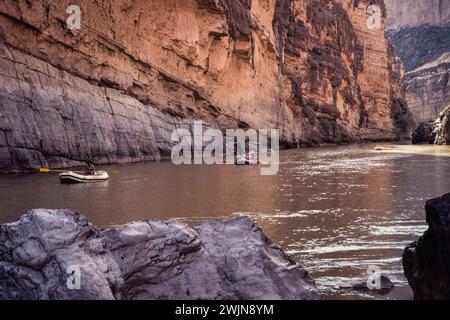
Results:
x,y
41,254
427,261
443,127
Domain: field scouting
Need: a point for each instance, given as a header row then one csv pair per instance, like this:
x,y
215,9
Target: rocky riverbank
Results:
x,y
42,252
427,261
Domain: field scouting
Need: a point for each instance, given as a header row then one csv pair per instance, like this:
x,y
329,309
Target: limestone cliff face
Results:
x,y
428,89
115,89
412,13
420,33
425,52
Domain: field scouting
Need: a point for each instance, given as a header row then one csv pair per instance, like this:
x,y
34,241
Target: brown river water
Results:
x,y
336,210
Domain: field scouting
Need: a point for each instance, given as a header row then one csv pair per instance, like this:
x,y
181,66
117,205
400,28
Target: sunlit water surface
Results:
x,y
336,210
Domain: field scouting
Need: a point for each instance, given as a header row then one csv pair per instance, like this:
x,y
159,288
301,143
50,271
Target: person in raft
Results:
x,y
90,168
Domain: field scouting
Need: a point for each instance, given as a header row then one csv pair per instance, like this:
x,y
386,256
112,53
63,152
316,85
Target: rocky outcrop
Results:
x,y
424,133
443,127
434,132
425,52
427,261
428,88
412,13
44,249
113,90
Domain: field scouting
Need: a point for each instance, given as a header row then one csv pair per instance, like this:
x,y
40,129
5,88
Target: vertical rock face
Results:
x,y
143,260
115,89
443,127
338,74
428,88
412,13
427,261
425,51
420,33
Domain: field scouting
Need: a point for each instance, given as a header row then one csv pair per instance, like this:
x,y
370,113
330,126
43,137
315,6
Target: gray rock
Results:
x,y
426,262
144,260
53,119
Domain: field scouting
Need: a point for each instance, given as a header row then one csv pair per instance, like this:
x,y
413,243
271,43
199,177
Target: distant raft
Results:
x,y
76,177
242,161
247,159
246,162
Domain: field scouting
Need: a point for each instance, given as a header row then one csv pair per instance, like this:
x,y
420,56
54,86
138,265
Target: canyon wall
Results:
x,y
114,90
420,33
412,13
425,52
428,89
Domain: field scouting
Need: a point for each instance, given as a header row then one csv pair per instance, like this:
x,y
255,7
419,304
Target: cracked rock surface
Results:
x,y
144,260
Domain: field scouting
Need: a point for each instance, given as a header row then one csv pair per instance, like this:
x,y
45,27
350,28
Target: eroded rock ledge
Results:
x,y
427,261
144,260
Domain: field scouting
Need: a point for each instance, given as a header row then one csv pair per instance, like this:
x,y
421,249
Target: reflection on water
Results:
x,y
337,210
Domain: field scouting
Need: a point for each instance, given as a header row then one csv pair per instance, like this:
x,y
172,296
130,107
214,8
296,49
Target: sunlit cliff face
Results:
x,y
312,69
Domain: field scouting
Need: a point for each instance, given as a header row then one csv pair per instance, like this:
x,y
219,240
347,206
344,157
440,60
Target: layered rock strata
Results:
x,y
425,52
114,90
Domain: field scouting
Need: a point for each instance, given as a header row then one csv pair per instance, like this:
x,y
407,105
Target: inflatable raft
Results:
x,y
77,177
249,159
